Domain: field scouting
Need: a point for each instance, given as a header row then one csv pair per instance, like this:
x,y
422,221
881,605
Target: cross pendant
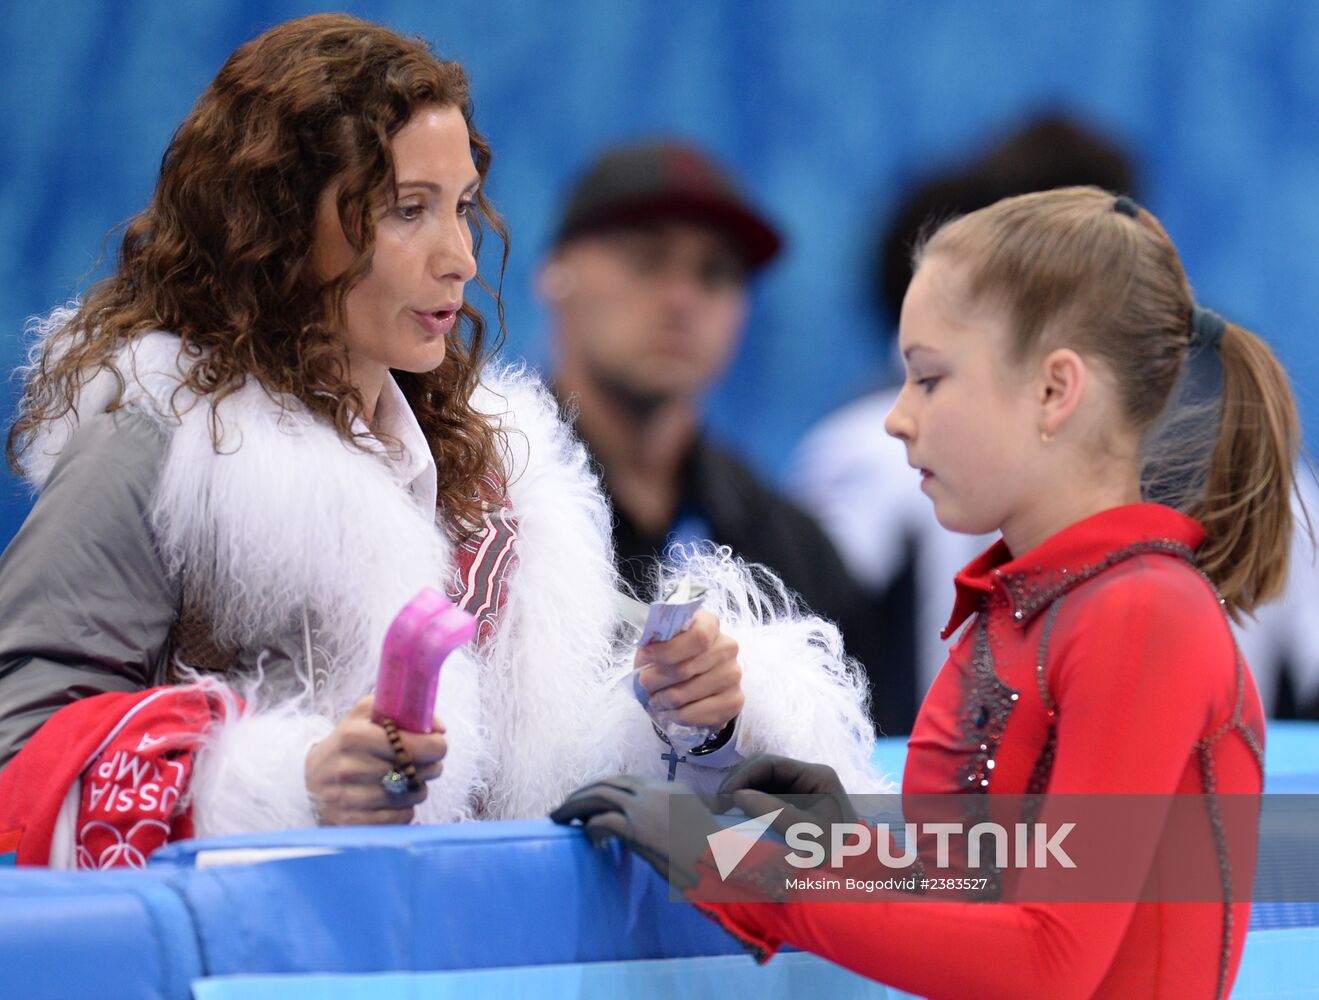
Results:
x,y
674,760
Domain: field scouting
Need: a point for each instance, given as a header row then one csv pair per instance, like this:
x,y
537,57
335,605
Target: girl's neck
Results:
x,y
1033,526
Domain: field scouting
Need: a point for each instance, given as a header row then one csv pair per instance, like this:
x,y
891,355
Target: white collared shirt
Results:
x,y
409,460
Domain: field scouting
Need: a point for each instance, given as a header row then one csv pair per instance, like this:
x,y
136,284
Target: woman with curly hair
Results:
x,y
275,423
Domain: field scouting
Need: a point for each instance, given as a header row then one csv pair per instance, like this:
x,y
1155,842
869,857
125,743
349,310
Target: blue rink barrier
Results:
x,y
1269,971
477,910
478,895
95,934
788,977
494,909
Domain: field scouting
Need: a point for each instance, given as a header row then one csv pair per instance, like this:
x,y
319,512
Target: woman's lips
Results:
x,y
437,323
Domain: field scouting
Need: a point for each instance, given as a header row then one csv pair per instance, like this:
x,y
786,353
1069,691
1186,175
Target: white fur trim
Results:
x,y
288,520
148,370
250,774
458,792
557,718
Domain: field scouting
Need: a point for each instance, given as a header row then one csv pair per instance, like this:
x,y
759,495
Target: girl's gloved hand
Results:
x,y
814,793
665,823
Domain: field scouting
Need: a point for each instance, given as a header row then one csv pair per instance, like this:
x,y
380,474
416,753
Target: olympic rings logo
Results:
x,y
123,850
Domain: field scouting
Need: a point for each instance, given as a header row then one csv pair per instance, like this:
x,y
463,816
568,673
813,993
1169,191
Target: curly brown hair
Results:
x,y
221,256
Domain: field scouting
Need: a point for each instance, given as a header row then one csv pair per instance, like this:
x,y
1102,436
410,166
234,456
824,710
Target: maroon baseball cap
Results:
x,y
666,180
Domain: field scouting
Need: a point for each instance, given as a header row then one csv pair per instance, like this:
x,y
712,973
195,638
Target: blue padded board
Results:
x,y
1276,964
498,897
478,895
721,977
102,934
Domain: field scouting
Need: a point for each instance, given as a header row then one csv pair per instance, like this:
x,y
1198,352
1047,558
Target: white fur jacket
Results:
x,y
303,548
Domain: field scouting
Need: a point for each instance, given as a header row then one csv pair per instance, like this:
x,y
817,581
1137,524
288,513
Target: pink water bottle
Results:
x,y
427,630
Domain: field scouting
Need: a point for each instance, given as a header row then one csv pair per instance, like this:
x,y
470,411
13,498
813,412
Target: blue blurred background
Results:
x,y
830,110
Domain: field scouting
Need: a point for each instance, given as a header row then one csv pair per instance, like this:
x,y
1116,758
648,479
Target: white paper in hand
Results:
x,y
672,615
664,620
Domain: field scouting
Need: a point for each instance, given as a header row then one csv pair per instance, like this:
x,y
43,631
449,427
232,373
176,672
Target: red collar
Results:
x,y
1030,582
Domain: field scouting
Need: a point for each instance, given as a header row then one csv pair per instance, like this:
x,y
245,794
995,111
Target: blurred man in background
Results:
x,y
647,287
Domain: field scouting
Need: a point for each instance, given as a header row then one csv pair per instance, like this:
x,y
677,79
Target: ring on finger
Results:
x,y
403,765
396,783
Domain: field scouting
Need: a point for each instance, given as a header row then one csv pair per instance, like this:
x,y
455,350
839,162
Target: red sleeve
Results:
x,y
1134,667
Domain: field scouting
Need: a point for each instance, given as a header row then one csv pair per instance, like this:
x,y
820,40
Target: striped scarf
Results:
x,y
482,557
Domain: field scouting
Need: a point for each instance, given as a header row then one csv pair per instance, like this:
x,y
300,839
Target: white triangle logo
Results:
x,y
730,846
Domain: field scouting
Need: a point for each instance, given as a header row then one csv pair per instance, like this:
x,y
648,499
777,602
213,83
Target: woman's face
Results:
x,y
399,315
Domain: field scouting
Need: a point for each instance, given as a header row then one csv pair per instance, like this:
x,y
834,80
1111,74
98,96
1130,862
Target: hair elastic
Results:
x,y
1126,206
1180,449
1207,328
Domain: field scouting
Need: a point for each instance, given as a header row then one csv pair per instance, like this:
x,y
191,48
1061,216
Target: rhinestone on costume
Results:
x,y
1030,595
985,712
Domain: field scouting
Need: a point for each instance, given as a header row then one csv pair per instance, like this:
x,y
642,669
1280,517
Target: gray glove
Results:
x,y
814,793
666,824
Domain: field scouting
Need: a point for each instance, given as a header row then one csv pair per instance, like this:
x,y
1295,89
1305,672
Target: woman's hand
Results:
x,y
693,679
344,771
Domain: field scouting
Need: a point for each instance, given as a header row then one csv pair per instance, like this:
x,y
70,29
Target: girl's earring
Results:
x,y
1045,437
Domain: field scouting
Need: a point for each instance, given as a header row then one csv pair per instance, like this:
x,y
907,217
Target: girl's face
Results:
x,y
970,424
399,315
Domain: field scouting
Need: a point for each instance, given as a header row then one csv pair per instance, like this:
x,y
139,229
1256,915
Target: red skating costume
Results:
x,y
1099,662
